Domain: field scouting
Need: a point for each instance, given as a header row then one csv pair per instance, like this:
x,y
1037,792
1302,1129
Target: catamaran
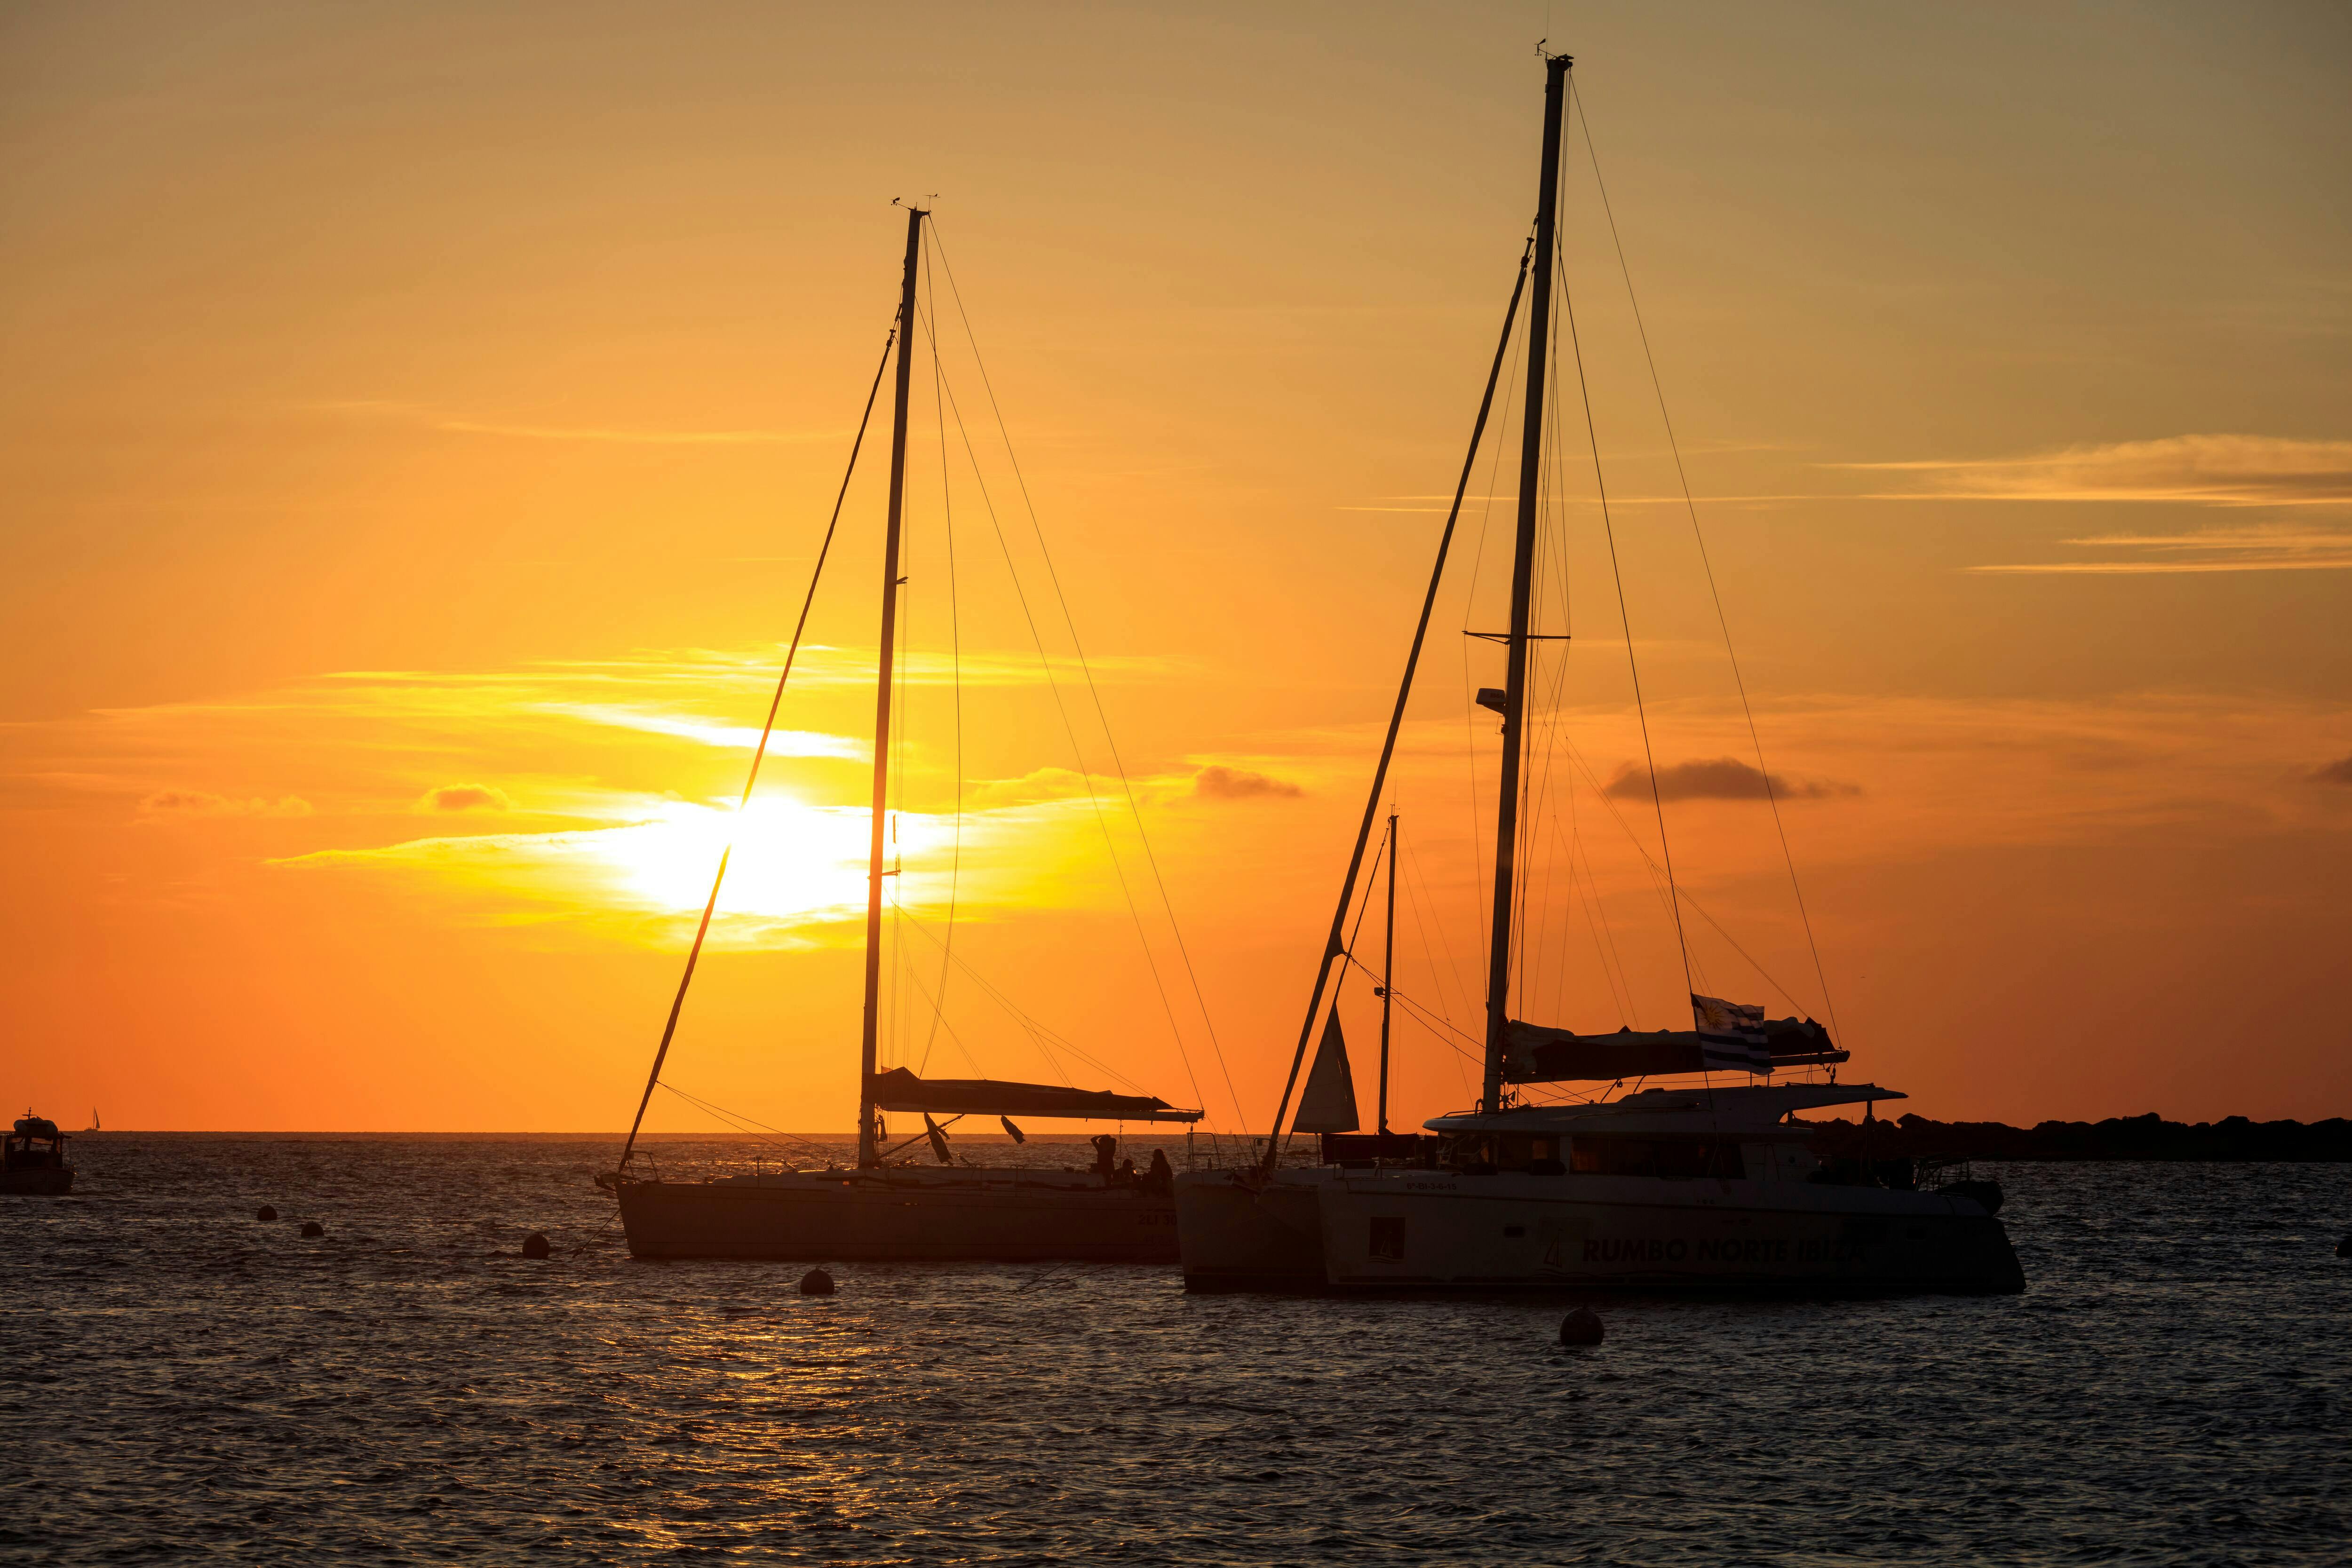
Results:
x,y
1696,1183
882,1207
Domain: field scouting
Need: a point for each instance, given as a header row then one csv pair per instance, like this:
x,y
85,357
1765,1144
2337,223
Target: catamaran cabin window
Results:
x,y
1681,1158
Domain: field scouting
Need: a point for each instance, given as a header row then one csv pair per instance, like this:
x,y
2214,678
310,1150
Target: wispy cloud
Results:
x,y
641,437
2203,551
433,419
711,732
2201,470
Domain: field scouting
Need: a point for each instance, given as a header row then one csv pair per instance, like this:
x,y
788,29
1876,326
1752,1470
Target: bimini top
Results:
x,y
899,1090
1746,1108
1533,1053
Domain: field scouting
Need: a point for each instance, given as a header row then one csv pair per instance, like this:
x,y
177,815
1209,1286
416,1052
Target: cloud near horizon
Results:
x,y
1719,778
464,797
204,803
1217,782
2337,772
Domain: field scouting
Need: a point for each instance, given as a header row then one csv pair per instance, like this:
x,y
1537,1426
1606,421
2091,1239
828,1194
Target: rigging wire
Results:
x,y
744,1124
1657,880
816,574
1109,739
1412,902
1722,621
1362,909
1039,1033
955,655
1435,1023
1632,666
1085,775
1470,708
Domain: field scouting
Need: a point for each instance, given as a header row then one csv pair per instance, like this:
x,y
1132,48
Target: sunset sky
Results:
x,y
423,419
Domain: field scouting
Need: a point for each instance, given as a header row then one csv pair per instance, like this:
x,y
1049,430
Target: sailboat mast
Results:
x,y
1388,976
1523,559
868,1153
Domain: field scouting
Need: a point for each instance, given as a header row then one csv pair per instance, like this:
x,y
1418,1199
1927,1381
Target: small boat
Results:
x,y
1695,1184
885,1208
33,1159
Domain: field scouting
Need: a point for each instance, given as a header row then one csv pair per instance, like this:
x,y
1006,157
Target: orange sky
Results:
x,y
423,419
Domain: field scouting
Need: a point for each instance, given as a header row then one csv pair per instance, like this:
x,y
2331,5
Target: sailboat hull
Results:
x,y
1407,1230
900,1216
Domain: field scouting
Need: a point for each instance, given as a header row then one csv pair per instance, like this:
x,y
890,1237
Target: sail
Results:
x,y
899,1090
1535,1054
1328,1103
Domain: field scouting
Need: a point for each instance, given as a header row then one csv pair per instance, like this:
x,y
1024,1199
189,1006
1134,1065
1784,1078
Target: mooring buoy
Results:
x,y
265,1212
2344,1247
312,1227
534,1244
1581,1326
816,1282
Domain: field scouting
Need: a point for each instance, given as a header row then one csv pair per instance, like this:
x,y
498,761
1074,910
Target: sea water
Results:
x,y
180,1381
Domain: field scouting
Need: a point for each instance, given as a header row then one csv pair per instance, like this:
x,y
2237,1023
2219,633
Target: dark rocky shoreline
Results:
x,y
2148,1137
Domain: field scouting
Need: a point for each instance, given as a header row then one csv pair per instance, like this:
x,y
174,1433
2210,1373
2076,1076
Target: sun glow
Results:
x,y
791,860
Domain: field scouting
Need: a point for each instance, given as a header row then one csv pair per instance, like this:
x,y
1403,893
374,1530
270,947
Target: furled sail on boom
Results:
x,y
1535,1054
899,1090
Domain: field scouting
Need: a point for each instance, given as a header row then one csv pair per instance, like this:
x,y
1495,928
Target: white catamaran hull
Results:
x,y
901,1216
1413,1229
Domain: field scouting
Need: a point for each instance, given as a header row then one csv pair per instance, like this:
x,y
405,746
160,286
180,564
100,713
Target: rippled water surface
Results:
x,y
181,1381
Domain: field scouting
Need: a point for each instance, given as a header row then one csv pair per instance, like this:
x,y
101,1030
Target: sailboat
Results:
x,y
1698,1184
883,1207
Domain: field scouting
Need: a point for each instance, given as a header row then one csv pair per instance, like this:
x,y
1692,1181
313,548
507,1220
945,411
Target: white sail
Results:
x,y
1328,1105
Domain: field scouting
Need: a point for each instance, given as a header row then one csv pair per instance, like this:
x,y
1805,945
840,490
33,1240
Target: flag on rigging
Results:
x,y
1731,1034
938,1136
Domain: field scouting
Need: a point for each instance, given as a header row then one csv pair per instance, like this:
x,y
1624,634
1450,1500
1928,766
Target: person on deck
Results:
x,y
1106,1153
1162,1177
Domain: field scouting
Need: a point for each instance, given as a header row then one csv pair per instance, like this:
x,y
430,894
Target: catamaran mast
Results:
x,y
1388,976
1523,558
868,1153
